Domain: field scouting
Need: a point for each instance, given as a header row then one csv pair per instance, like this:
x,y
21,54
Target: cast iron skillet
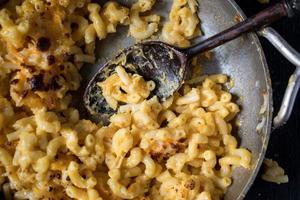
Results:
x,y
244,61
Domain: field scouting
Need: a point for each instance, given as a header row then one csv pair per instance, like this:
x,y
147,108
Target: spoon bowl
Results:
x,y
153,60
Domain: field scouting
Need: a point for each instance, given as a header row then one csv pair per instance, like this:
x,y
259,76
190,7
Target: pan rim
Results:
x,y
269,113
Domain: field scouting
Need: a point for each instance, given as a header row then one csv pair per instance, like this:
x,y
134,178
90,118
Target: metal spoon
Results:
x,y
168,66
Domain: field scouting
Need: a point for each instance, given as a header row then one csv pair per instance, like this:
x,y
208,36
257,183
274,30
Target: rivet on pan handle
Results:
x,y
294,82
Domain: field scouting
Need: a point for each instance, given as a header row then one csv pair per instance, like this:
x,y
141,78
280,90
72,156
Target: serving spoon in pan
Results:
x,y
168,66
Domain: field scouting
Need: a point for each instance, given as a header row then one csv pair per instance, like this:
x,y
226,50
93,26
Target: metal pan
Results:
x,y
244,61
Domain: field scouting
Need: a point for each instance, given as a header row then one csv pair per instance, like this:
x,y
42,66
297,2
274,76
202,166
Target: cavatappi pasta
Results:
x,y
182,24
178,149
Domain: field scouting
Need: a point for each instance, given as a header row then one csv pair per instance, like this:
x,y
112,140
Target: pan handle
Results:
x,y
294,82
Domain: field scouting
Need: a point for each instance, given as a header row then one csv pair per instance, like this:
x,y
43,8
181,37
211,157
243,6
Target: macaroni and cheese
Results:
x,y
274,173
178,149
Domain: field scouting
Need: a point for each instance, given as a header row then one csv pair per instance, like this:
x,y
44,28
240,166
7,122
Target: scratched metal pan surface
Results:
x,y
242,59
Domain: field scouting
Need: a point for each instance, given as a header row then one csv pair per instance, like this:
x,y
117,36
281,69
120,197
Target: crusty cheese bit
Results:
x,y
114,14
273,172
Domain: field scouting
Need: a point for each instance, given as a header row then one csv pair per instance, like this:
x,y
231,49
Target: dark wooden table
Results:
x,y
284,146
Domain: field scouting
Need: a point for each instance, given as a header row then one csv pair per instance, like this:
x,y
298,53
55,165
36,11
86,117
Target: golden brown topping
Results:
x,y
74,26
51,60
30,68
37,83
190,184
24,93
14,81
166,150
43,44
53,85
61,67
50,189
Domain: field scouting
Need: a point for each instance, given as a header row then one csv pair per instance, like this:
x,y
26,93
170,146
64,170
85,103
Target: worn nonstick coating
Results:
x,y
242,59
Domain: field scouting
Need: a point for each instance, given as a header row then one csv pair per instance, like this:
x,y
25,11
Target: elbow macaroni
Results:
x,y
191,143
274,173
176,149
182,24
115,14
142,27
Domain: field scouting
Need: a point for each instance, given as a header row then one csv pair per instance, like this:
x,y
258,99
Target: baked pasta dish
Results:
x,y
179,149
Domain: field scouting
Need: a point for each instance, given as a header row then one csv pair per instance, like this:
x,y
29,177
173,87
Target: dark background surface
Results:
x,y
284,146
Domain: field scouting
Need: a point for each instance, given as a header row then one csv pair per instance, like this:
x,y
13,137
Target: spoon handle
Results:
x,y
263,18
